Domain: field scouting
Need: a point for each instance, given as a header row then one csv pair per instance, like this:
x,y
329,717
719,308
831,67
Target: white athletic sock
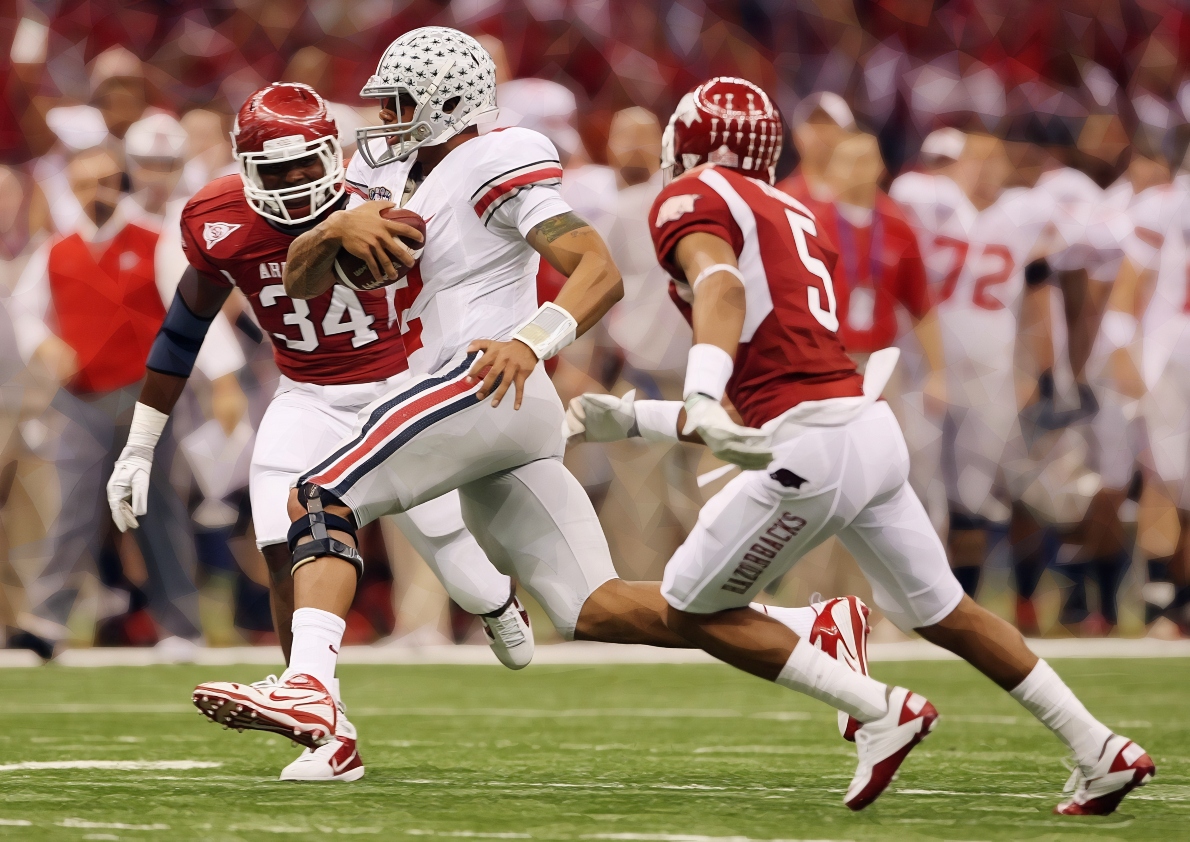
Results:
x,y
813,672
317,636
1047,697
799,620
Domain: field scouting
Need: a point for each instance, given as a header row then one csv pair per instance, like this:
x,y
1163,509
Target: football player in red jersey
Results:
x,y
752,275
236,233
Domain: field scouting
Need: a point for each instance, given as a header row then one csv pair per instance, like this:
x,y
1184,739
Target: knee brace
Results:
x,y
315,523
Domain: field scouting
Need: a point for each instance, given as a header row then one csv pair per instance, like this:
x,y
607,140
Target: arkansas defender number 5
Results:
x,y
344,315
826,316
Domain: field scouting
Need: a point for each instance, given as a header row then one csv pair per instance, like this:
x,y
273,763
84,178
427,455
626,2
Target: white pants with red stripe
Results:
x,y
431,436
302,424
850,480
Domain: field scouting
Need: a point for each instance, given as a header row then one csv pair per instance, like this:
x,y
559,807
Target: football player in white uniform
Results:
x,y
237,232
941,216
491,206
1159,345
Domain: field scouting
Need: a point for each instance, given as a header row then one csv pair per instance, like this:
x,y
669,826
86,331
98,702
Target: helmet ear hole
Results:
x,y
451,104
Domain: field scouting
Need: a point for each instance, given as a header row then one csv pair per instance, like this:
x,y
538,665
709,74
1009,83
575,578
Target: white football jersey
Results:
x,y
477,277
942,217
1161,217
979,320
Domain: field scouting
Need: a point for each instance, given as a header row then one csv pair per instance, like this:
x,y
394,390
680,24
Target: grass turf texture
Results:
x,y
603,752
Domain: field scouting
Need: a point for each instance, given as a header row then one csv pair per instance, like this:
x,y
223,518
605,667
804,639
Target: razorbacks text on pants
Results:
x,y
761,554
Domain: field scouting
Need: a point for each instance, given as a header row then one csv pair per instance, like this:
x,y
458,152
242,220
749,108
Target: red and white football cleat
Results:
x,y
337,760
884,743
841,631
299,708
510,634
1122,767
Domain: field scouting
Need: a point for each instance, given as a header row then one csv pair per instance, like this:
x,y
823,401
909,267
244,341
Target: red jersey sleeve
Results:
x,y
193,243
687,206
912,285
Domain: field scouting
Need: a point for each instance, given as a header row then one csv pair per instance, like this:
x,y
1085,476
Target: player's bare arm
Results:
x,y
593,285
360,230
171,359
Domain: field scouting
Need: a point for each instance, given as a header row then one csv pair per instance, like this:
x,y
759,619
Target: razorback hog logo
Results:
x,y
213,232
675,207
760,555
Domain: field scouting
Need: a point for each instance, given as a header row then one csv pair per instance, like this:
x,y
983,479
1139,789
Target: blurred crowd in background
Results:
x,y
114,114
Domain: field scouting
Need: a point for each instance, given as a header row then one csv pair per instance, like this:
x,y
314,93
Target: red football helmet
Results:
x,y
726,121
283,122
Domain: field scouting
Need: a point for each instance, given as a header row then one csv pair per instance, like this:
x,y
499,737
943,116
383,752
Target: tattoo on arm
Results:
x,y
563,223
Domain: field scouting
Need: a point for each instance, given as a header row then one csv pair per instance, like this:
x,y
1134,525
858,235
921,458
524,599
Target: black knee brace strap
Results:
x,y
315,523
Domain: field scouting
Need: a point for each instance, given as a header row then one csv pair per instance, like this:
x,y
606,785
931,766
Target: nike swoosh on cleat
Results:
x,y
339,767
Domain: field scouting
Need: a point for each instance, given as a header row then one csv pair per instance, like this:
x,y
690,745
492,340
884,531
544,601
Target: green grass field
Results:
x,y
679,753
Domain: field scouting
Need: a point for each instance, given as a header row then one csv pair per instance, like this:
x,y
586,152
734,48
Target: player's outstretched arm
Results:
x,y
363,232
593,285
171,359
709,264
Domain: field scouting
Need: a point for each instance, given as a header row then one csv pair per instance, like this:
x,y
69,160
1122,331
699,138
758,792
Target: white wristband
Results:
x,y
708,368
1118,328
146,428
549,331
657,420
711,270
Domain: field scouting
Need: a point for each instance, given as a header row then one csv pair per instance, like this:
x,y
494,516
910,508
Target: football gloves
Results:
x,y
128,488
743,446
602,417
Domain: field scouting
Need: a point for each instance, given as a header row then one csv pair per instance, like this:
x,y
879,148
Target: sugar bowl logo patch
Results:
x,y
213,232
383,193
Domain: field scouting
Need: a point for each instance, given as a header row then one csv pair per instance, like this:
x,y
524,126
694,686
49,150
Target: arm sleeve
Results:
x,y
530,206
517,182
356,182
913,289
30,304
220,353
688,206
192,247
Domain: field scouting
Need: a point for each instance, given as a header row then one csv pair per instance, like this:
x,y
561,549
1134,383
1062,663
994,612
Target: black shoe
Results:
x,y
21,639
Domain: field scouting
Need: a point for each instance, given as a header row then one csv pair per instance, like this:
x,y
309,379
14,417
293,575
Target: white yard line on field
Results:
x,y
111,765
82,823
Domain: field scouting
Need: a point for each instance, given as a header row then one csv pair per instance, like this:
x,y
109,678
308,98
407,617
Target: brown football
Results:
x,y
352,271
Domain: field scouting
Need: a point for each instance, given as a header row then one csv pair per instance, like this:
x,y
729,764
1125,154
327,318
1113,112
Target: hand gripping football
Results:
x,y
353,272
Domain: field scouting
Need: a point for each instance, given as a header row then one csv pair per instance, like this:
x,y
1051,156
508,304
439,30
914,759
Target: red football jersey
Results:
x,y
342,336
880,266
790,349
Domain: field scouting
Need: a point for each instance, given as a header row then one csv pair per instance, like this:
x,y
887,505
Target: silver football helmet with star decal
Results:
x,y
451,80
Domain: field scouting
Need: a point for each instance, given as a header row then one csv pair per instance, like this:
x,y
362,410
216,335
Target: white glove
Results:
x,y
743,446
603,417
128,488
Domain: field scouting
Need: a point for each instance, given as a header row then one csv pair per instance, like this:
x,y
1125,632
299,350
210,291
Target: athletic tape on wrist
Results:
x,y
708,368
146,428
549,331
711,270
1118,328
658,420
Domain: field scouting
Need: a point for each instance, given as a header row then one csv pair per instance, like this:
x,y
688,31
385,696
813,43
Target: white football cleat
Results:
x,y
509,634
337,760
884,743
841,631
1121,768
299,708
